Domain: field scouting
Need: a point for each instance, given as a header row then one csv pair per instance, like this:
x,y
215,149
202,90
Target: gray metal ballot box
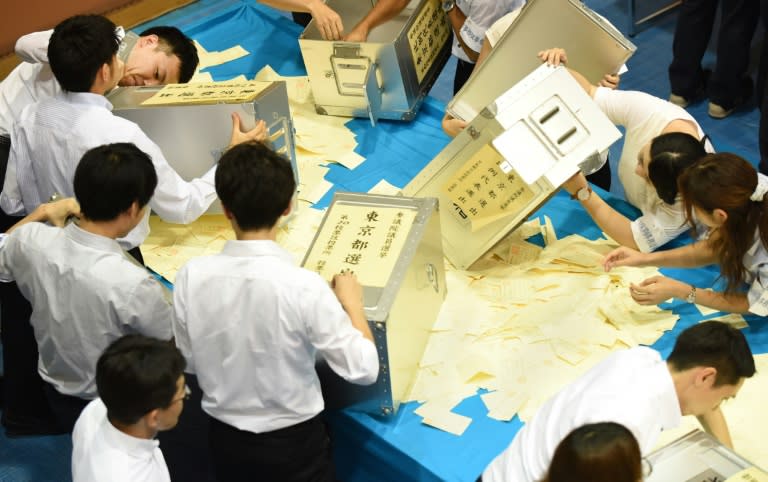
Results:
x,y
193,135
594,48
386,77
511,158
393,245
695,457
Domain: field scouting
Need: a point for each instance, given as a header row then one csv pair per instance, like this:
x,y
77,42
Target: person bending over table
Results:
x,y
660,141
637,389
726,194
598,452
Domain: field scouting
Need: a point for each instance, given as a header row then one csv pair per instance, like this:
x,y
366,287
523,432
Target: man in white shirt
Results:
x,y
85,291
637,389
250,322
159,55
141,392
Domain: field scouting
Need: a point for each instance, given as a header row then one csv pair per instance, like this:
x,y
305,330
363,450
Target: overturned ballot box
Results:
x,y
698,457
511,158
386,77
393,245
594,48
191,123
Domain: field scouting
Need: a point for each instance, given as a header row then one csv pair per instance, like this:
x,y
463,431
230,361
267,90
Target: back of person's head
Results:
x,y
110,178
255,184
174,42
671,153
136,375
726,181
714,344
599,452
79,47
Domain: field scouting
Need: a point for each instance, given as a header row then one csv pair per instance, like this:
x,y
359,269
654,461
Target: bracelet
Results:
x,y
691,298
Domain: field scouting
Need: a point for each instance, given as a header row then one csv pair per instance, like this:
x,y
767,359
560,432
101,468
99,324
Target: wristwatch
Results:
x,y
582,194
691,298
448,5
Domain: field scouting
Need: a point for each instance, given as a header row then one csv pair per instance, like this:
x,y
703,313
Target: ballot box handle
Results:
x,y
433,277
372,94
355,76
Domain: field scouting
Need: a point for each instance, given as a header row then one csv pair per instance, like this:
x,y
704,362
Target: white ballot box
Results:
x,y
698,457
511,158
593,45
386,77
192,125
393,245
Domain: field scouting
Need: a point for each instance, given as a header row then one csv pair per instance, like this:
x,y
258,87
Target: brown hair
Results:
x,y
598,452
726,181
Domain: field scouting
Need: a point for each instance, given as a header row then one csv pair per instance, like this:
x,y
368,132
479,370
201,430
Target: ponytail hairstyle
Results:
x,y
671,153
726,181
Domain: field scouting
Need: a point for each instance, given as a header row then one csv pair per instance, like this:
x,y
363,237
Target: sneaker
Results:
x,y
679,100
698,94
718,112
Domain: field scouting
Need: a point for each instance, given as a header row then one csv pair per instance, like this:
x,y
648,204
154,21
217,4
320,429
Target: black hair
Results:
x,y
111,177
79,47
255,184
137,374
597,452
174,42
714,344
671,154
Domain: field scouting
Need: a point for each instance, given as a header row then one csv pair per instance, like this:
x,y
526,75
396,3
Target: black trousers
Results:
x,y
694,29
463,71
300,453
66,408
762,93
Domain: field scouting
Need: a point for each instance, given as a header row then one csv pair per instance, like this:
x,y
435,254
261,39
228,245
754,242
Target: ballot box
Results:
x,y
593,45
511,158
698,457
392,244
386,77
191,122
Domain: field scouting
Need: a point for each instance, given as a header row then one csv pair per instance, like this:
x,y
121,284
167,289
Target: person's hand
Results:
x,y
658,289
358,34
611,81
348,290
328,21
554,56
57,212
623,256
576,182
258,133
453,126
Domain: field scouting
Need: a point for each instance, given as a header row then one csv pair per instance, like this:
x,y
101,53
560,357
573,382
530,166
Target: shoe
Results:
x,y
719,111
698,94
679,100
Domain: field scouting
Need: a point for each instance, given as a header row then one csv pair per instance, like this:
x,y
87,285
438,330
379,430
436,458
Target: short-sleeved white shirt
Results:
x,y
480,15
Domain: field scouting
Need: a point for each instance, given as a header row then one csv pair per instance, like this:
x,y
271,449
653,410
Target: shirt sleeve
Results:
x,y
500,26
347,351
758,292
630,108
655,229
149,309
176,200
10,199
33,47
179,323
5,258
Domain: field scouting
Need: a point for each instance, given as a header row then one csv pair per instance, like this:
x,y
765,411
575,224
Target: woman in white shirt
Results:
x,y
727,195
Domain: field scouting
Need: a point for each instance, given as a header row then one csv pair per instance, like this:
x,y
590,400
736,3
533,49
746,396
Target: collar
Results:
x,y
88,98
670,415
251,248
138,447
96,241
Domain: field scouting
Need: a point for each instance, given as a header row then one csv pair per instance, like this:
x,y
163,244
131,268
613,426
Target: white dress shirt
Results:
x,y
102,453
480,15
631,387
756,263
644,117
249,322
85,293
50,138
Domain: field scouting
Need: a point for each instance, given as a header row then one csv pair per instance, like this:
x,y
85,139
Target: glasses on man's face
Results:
x,y
187,393
647,468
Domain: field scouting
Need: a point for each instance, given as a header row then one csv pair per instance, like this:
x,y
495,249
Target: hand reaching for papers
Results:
x,y
328,21
453,126
623,256
358,34
258,133
657,289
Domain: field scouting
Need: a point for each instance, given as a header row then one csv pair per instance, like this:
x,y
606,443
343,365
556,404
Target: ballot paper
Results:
x,y
750,474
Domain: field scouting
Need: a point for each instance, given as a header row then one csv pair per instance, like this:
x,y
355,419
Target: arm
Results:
x,y
381,12
33,47
328,21
714,423
692,255
457,18
657,289
55,213
349,291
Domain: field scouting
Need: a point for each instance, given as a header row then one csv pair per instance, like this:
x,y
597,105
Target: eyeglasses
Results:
x,y
647,468
187,394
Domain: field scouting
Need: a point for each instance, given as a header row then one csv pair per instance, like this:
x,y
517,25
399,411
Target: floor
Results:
x,y
43,459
